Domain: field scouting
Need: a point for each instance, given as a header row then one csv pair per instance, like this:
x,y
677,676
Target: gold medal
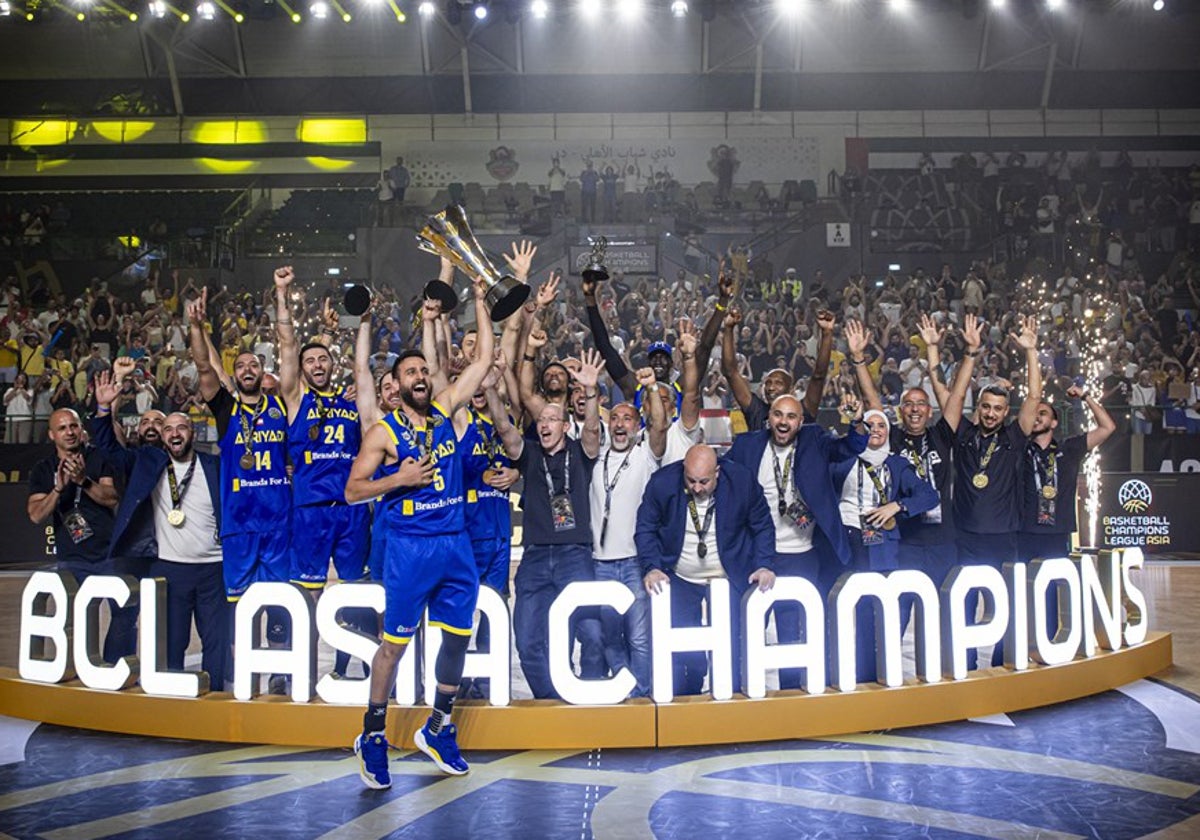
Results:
x,y
247,461
1049,492
890,523
175,517
980,480
490,474
314,432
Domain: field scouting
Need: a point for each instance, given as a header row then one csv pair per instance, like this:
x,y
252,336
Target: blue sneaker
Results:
x,y
372,752
442,748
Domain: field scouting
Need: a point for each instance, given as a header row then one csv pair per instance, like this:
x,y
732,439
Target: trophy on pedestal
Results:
x,y
448,235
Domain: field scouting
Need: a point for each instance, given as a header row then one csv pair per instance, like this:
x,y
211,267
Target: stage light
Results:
x,y
539,9
998,4
1159,5
628,9
206,10
481,12
788,7
426,9
158,9
1054,5
81,17
133,16
239,18
679,8
319,10
5,8
590,8
898,5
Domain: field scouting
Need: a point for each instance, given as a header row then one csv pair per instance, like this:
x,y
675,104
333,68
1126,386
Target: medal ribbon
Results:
x,y
701,532
423,437
179,487
489,442
1045,471
566,473
249,425
880,480
783,478
609,487
987,456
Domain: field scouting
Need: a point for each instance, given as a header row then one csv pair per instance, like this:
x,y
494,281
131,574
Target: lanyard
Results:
x,y
424,437
179,487
566,472
314,432
918,456
609,487
881,482
1045,470
701,531
783,477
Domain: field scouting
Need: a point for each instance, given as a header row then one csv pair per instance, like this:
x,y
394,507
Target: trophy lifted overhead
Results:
x,y
448,235
593,263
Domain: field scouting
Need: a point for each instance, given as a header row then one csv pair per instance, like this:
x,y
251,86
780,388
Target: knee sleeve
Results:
x,y
449,666
279,625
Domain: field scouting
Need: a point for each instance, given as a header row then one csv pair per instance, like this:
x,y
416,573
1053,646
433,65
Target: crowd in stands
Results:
x,y
1117,284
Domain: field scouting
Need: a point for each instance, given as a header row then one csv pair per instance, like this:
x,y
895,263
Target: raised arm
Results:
x,y
588,376
1027,339
207,381
531,400
712,327
510,435
932,335
1105,425
811,403
458,392
737,383
365,398
857,339
285,333
431,313
613,363
952,408
520,262
656,429
689,380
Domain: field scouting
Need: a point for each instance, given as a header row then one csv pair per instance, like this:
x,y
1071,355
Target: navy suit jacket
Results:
x,y
143,466
905,486
744,530
816,451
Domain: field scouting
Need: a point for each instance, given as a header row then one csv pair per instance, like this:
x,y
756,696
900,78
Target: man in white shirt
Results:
x,y
619,477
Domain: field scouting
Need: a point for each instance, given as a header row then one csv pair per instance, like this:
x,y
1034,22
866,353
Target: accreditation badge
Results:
x,y
871,534
562,512
1045,511
77,526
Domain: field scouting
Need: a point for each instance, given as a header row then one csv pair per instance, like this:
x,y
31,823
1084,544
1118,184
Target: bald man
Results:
x,y
790,460
74,488
699,520
168,519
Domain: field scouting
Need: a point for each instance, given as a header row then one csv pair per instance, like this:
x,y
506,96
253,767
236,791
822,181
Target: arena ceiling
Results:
x,y
735,55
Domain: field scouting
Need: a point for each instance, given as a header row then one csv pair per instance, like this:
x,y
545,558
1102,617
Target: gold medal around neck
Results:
x,y
246,462
1049,492
980,480
314,432
890,523
175,518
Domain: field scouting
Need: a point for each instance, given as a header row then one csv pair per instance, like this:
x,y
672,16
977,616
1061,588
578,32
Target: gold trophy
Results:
x,y
448,235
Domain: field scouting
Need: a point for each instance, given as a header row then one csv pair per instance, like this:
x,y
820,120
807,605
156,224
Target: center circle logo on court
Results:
x,y
1135,496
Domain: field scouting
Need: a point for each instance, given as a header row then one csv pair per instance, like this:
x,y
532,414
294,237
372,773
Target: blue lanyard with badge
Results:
x,y
75,522
562,512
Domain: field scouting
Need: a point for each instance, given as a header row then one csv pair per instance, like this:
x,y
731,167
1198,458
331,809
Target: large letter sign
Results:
x,y
1100,607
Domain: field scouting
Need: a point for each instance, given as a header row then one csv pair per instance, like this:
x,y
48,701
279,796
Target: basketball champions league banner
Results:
x,y
1155,511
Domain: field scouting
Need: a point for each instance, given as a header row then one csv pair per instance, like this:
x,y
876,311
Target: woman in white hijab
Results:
x,y
877,490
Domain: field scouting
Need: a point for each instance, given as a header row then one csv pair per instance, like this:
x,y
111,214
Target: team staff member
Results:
x,y
791,461
429,560
557,532
877,491
1048,487
618,481
75,486
927,542
256,500
988,457
700,520
170,514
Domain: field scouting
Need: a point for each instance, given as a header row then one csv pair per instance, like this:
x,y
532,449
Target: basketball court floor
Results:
x,y
1122,764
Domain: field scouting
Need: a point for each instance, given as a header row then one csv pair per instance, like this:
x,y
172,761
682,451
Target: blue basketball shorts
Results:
x,y
321,532
249,558
437,572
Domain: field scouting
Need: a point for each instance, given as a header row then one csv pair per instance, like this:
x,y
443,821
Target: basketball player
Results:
x,y
429,558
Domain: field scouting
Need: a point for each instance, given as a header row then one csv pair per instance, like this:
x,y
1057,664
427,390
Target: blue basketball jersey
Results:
x,y
488,511
255,498
321,464
438,507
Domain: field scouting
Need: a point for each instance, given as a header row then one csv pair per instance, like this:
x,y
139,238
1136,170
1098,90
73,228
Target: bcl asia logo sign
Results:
x,y
1135,496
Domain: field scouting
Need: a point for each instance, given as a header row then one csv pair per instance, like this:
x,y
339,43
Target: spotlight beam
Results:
x,y
341,10
290,11
400,16
233,13
116,7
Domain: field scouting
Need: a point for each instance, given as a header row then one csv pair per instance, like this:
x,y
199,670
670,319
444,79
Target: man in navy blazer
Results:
x,y
790,461
700,519
173,525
